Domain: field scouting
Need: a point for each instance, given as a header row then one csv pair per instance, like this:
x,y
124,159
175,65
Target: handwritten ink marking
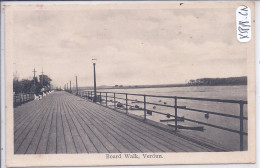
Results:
x,y
243,20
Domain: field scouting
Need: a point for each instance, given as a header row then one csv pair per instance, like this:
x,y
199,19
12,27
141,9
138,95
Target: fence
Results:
x,y
22,98
111,99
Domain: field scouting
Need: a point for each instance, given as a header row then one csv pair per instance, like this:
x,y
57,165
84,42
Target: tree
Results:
x,y
31,86
45,82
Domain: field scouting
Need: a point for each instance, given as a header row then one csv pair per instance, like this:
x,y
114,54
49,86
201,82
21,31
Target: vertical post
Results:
x,y
144,107
42,78
176,113
114,100
70,86
241,127
34,80
106,99
126,104
77,91
95,88
100,98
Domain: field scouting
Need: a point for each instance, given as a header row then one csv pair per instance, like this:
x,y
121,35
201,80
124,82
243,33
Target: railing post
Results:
x,y
126,104
176,113
100,97
144,107
106,99
114,100
241,127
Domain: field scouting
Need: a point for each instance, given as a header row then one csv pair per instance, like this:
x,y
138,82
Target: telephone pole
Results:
x,y
34,79
77,86
42,78
70,86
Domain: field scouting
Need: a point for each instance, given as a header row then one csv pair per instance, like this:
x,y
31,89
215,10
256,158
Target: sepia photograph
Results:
x,y
130,82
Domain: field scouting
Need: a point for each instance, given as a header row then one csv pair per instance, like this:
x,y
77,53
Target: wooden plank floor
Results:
x,y
64,123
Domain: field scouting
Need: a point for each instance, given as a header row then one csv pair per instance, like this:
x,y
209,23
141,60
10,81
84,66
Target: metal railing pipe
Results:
x,y
126,108
175,110
144,107
241,127
114,100
106,99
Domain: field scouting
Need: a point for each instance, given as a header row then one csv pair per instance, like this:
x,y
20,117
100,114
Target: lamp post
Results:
x,y
94,61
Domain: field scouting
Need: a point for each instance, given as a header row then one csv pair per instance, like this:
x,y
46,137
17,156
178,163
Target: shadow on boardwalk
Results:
x,y
64,123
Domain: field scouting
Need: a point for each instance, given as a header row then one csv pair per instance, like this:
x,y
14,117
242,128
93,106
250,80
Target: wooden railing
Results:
x,y
22,98
105,98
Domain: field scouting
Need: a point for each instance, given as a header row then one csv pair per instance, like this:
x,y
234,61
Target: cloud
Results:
x,y
145,46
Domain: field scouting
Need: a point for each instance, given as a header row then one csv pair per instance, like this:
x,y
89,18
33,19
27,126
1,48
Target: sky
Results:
x,y
132,47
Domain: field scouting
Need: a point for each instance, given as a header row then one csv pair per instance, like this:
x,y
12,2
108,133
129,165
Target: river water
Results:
x,y
226,138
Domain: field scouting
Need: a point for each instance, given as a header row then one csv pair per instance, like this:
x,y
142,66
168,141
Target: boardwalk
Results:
x,y
64,123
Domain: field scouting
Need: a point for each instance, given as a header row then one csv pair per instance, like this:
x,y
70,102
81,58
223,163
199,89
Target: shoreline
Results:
x,y
152,86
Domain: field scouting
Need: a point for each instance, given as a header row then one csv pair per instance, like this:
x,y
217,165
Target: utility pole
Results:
x,y
70,86
42,78
77,85
34,79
